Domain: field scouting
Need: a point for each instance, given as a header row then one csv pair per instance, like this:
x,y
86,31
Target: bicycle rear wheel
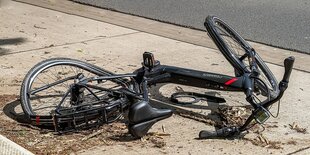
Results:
x,y
235,49
51,85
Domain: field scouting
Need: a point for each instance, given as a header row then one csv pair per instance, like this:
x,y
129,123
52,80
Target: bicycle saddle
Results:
x,y
142,117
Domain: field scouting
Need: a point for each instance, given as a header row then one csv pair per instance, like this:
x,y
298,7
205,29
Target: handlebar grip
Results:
x,y
204,134
220,133
288,66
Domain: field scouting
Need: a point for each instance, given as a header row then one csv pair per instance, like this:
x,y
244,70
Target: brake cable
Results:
x,y
278,111
268,92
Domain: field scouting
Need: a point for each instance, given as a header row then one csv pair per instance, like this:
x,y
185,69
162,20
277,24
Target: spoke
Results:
x,y
51,85
73,70
231,41
43,108
40,104
60,77
266,81
88,74
64,71
47,84
64,98
50,77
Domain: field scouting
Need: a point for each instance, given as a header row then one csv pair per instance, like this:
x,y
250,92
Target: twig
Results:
x,y
196,117
92,135
38,27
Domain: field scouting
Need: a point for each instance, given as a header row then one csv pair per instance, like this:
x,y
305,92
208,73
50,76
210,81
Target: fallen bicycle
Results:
x,y
69,95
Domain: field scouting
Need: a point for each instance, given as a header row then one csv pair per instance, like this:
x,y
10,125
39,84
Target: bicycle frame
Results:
x,y
189,77
151,74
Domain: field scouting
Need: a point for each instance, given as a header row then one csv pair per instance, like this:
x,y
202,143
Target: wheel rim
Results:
x,y
44,102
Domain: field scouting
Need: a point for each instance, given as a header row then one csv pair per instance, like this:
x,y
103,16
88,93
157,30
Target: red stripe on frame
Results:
x,y
37,120
229,82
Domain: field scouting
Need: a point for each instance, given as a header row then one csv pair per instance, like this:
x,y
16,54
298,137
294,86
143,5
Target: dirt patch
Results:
x,y
43,141
233,116
4,99
262,141
199,118
156,138
296,127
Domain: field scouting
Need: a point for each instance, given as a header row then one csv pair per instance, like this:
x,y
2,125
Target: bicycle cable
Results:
x,y
278,111
268,92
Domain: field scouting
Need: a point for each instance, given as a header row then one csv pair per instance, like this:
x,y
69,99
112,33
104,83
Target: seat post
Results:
x,y
148,60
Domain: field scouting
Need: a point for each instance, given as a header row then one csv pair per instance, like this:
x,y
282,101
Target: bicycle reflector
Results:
x,y
261,115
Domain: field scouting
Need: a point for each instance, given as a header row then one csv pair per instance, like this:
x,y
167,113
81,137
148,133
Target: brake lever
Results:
x,y
288,66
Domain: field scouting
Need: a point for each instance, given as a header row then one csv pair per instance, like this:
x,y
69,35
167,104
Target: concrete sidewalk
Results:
x,y
7,147
31,34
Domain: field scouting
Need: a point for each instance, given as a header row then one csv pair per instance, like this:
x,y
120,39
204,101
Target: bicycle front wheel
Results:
x,y
235,49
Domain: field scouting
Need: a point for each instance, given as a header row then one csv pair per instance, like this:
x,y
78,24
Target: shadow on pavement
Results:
x,y
10,41
9,110
188,109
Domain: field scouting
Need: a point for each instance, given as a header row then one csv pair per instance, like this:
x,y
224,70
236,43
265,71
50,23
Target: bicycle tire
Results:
x,y
219,31
47,66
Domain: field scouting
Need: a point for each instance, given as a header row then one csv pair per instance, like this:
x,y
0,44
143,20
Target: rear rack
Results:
x,y
82,117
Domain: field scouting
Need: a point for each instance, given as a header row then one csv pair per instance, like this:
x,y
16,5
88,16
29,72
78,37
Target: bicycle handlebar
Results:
x,y
230,131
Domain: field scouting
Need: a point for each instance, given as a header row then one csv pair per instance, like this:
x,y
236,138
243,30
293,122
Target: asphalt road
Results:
x,y
280,23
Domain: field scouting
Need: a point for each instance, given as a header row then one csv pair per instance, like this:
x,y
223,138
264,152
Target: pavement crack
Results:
x,y
71,43
299,150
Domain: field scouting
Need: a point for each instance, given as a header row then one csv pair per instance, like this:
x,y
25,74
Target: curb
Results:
x,y
8,147
269,54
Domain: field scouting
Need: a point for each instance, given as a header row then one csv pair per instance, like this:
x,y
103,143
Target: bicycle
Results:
x,y
82,95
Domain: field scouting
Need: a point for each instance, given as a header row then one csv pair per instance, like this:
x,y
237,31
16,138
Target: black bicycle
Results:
x,y
69,94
